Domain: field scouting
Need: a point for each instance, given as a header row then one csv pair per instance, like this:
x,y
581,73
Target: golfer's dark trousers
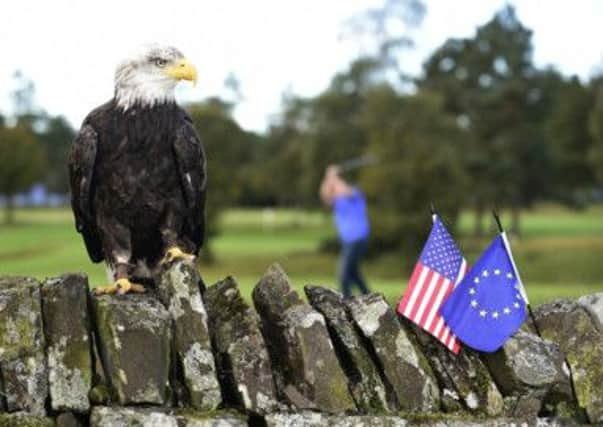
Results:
x,y
349,267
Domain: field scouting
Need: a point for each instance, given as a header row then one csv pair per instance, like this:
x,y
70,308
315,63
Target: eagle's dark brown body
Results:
x,y
138,183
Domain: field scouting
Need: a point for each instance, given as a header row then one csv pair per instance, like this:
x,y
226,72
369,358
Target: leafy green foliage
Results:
x,y
596,130
21,163
421,162
228,151
524,138
570,140
56,139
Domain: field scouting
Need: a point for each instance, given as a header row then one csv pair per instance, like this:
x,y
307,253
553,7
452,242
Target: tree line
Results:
x,y
482,127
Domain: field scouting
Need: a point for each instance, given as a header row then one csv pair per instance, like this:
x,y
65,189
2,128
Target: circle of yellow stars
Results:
x,y
493,314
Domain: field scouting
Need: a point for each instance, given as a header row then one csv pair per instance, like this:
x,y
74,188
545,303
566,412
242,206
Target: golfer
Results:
x,y
350,215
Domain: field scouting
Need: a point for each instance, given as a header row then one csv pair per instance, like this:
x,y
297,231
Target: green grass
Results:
x,y
560,253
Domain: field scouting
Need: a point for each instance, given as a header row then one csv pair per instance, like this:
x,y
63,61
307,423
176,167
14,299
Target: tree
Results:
x,y
21,163
568,133
384,32
54,134
276,173
228,150
490,84
596,129
419,147
330,124
56,138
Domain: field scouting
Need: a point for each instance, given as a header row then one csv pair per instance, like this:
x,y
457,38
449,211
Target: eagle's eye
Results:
x,y
160,62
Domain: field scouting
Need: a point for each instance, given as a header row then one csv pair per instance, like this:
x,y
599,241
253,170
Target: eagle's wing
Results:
x,y
193,178
81,177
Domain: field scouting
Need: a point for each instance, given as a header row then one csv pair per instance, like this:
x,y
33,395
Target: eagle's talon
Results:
x,y
175,253
121,287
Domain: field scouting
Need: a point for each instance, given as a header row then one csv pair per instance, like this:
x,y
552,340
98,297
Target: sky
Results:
x,y
70,47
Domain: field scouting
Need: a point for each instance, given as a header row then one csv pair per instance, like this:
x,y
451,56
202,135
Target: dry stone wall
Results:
x,y
186,355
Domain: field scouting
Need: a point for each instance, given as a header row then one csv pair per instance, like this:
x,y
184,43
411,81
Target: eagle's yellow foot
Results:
x,y
121,286
175,253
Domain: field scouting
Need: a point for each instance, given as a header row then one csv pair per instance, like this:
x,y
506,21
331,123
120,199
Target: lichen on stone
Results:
x,y
68,386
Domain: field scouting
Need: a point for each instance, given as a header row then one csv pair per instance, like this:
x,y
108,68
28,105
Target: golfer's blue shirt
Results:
x,y
351,217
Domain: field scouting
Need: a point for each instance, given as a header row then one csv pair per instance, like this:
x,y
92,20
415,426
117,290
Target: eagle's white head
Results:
x,y
149,76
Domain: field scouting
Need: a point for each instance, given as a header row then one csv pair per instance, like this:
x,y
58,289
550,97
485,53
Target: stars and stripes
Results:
x,y
440,268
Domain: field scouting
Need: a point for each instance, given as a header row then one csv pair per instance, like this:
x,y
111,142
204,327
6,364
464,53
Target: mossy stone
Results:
x,y
178,289
573,328
134,341
241,354
68,336
22,353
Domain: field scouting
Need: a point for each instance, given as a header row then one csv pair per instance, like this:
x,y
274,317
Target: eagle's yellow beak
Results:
x,y
182,70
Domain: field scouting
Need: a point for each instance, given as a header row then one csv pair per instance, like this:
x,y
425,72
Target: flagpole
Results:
x,y
528,305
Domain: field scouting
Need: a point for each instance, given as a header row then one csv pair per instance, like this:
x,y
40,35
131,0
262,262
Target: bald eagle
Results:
x,y
138,173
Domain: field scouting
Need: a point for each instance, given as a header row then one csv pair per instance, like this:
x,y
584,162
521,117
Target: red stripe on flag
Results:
x,y
438,327
435,304
456,347
416,291
430,297
450,340
422,289
409,288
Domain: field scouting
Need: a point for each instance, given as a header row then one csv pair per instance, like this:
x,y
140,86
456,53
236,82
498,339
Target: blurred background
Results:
x,y
469,105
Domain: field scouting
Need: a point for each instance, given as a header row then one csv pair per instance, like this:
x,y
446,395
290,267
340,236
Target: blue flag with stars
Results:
x,y
489,305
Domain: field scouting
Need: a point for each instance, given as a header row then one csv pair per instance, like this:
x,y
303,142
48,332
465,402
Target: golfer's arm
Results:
x,y
326,192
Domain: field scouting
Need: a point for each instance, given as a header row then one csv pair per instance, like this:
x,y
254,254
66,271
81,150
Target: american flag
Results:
x,y
440,268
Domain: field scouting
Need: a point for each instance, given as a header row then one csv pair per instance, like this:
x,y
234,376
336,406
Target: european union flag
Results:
x,y
489,305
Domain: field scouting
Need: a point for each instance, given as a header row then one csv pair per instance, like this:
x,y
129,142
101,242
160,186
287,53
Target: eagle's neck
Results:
x,y
132,90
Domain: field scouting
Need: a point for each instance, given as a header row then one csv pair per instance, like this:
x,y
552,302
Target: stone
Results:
x,y
22,353
404,367
366,385
147,417
464,380
530,369
188,418
315,419
69,419
594,305
67,332
241,353
103,416
134,341
571,326
21,419
299,345
178,289
100,394
26,384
